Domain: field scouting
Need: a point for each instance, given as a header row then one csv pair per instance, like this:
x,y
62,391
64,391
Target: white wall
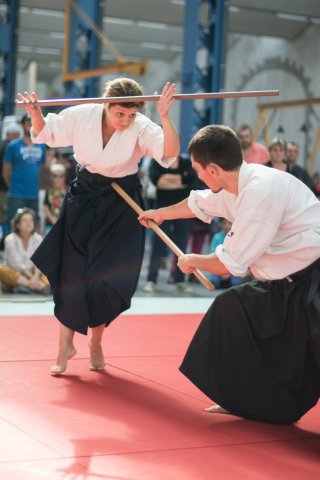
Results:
x,y
293,68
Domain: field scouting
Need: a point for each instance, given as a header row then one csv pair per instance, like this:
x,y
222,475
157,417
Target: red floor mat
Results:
x,y
141,419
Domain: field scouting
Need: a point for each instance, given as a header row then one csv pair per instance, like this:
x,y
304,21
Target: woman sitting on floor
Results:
x,y
18,270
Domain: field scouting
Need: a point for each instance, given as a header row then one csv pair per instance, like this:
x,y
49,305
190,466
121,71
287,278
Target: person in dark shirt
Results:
x,y
173,184
294,168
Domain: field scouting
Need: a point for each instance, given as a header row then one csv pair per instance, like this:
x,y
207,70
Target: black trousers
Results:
x,y
178,230
93,254
257,350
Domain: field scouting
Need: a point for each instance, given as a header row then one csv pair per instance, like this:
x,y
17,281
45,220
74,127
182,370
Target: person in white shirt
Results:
x,y
93,254
18,269
256,353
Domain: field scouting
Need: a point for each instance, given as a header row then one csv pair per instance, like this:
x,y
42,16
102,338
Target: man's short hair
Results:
x,y
217,144
244,126
25,118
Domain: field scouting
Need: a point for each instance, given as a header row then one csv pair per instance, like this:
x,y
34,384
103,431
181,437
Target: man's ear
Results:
x,y
212,169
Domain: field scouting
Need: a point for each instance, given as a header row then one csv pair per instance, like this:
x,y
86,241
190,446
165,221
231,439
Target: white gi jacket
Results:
x,y
81,127
275,223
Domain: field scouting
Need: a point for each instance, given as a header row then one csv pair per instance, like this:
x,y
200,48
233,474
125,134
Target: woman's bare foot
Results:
x,y
62,360
216,409
66,350
96,356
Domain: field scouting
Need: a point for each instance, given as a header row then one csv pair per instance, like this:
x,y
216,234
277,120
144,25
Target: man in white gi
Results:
x,y
256,352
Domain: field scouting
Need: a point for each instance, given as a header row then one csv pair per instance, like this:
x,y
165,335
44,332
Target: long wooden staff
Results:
x,y
200,276
148,98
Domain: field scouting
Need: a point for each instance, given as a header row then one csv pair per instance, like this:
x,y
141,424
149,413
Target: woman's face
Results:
x,y
26,224
277,153
120,118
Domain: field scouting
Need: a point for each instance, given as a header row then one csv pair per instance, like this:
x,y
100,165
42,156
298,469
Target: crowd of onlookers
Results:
x,y
33,183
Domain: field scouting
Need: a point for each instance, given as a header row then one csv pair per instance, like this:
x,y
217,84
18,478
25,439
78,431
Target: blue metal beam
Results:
x,y
8,50
203,64
84,49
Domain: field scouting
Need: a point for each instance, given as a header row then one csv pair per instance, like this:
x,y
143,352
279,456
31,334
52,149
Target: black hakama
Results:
x,y
256,352
93,254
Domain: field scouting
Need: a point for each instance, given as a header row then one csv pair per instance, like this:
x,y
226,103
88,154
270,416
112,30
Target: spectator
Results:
x,y
200,232
13,131
293,167
21,171
278,151
283,160
173,184
316,184
54,196
252,152
65,156
18,270
149,190
223,281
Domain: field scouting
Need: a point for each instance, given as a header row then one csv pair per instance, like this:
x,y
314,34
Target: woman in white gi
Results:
x,y
93,254
256,352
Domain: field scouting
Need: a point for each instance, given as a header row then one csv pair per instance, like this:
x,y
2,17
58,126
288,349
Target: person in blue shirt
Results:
x,y
21,171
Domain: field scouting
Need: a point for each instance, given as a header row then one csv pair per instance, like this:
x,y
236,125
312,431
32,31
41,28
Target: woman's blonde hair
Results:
x,y
124,87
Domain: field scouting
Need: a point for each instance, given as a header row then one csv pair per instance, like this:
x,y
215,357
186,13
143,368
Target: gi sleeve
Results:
x,y
256,223
206,205
151,142
59,130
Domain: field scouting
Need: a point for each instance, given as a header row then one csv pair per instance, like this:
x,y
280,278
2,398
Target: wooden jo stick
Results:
x,y
176,250
148,98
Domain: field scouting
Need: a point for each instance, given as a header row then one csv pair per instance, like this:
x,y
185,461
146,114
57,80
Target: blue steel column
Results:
x,y
203,64
84,49
8,50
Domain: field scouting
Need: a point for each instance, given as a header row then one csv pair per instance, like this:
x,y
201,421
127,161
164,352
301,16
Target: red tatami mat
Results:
x,y
139,420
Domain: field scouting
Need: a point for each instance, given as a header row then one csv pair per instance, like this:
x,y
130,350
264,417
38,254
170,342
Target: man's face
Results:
x,y
26,125
245,138
292,153
209,175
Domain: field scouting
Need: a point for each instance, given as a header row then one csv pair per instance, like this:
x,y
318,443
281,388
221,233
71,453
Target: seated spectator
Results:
x,y
252,152
54,196
18,270
223,281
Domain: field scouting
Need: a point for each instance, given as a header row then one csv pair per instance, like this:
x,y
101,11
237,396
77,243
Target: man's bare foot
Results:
x,y
216,409
96,356
62,360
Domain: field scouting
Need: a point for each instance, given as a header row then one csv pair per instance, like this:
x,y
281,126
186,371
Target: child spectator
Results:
x,y
54,196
